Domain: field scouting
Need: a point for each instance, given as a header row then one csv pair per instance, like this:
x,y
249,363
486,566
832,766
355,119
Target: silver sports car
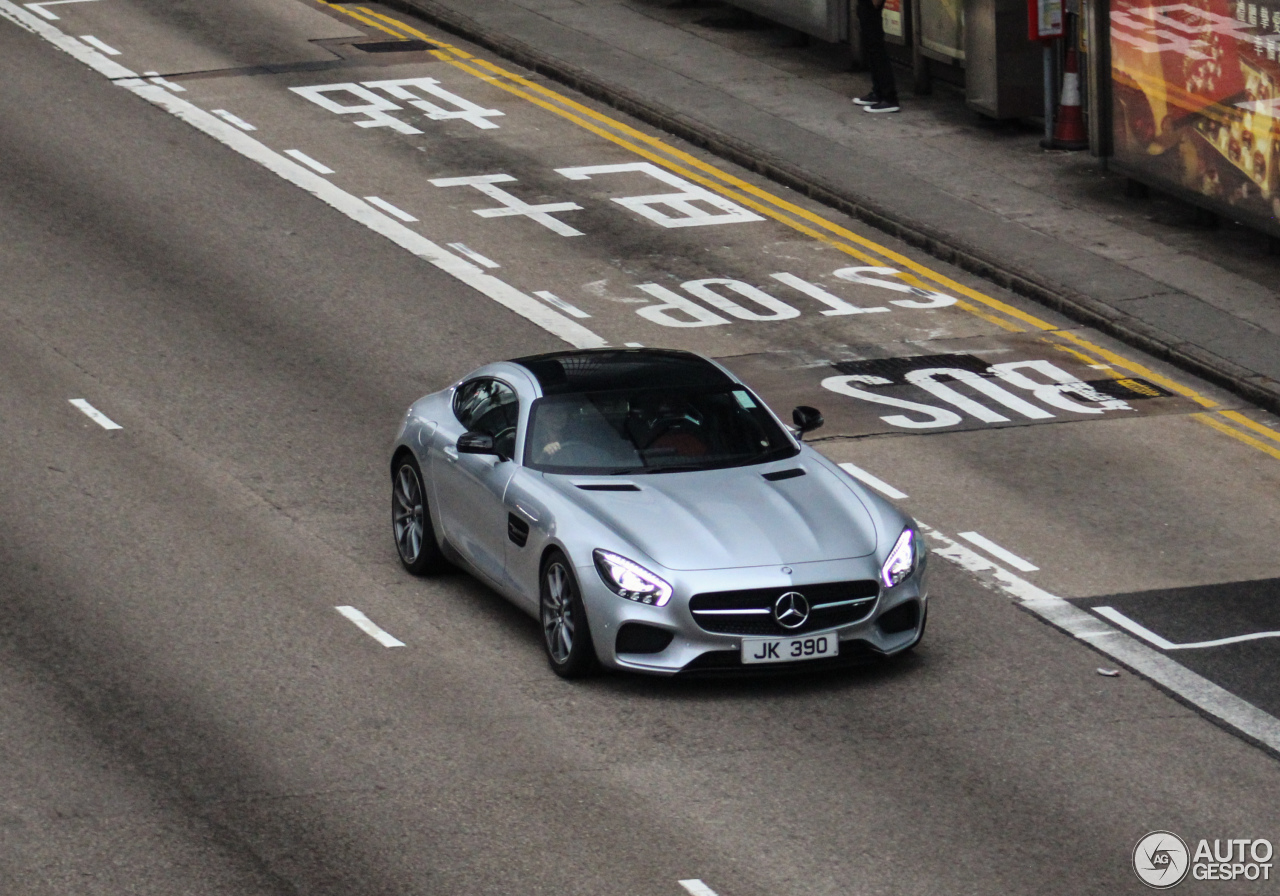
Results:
x,y
654,515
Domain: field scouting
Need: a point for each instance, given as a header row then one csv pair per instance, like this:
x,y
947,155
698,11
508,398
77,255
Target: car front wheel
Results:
x,y
565,635
411,520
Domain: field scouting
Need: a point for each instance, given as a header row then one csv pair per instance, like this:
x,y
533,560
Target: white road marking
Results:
x,y
311,163
1151,637
686,213
998,552
390,209
879,485
552,299
696,887
503,293
1228,708
234,119
634,344
369,628
1215,701
835,304
513,205
374,107
104,47
154,78
463,108
463,249
95,415
39,8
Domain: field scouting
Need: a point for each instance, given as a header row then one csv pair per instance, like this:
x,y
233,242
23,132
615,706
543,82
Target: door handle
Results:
x,y
450,453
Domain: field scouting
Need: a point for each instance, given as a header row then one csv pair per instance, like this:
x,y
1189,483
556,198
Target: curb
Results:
x,y
1249,385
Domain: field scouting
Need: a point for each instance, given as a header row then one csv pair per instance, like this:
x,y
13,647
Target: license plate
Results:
x,y
788,650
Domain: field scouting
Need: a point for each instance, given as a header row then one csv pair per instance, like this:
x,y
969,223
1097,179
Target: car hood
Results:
x,y
720,519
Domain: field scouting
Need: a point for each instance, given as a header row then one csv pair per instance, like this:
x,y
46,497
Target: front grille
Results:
x,y
750,612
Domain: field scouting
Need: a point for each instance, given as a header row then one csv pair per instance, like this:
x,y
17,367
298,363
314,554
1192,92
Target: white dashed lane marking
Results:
x,y
367,626
39,8
695,887
463,249
879,485
94,414
556,302
94,42
390,209
234,119
318,167
998,552
154,78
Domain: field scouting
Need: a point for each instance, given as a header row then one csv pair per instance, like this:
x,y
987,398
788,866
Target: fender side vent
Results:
x,y
779,475
608,486
517,530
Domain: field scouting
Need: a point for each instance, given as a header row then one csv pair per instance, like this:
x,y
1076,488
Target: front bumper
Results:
x,y
692,648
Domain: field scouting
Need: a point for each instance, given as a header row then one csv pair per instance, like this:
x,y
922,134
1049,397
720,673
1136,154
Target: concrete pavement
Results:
x,y
1052,226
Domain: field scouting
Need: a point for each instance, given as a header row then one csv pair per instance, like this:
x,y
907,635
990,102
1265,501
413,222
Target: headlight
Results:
x,y
629,579
901,561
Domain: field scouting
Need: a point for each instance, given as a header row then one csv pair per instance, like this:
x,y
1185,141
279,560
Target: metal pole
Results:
x,y
1048,93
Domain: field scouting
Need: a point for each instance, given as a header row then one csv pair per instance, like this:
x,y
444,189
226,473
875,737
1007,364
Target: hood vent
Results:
x,y
608,486
779,475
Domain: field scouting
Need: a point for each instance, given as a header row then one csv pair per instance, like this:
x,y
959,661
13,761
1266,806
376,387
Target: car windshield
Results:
x,y
652,431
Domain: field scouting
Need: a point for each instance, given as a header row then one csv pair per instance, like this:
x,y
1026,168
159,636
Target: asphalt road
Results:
x,y
185,712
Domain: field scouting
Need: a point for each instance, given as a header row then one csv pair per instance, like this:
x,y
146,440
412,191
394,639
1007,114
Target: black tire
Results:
x,y
566,636
411,519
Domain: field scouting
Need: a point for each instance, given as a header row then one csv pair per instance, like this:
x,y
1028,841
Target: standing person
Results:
x,y
884,92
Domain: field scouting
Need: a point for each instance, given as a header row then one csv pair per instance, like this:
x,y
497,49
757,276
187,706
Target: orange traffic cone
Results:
x,y
1068,126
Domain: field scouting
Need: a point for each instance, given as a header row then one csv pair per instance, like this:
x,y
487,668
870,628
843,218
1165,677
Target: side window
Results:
x,y
490,407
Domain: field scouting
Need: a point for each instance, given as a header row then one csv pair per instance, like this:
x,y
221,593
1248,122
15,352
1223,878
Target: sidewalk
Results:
x,y
1052,226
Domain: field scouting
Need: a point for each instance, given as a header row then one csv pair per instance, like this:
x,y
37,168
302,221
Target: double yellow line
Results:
x,y
810,223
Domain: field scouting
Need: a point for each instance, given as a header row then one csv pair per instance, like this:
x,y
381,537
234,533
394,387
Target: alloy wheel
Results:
x,y
557,612
407,513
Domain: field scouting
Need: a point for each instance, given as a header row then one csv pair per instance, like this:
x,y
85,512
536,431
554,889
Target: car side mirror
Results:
x,y
806,419
476,443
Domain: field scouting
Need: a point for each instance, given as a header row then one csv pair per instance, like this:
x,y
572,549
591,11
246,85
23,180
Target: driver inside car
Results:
x,y
570,431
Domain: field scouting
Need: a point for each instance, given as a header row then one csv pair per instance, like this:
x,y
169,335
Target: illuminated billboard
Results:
x,y
1195,103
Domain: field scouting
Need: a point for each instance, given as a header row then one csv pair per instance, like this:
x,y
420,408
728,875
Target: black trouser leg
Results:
x,y
872,29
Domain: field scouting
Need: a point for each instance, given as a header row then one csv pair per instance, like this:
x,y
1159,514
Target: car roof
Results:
x,y
602,370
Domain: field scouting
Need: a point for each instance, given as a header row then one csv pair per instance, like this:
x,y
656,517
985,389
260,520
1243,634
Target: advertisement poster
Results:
x,y
942,27
1044,19
892,18
1195,100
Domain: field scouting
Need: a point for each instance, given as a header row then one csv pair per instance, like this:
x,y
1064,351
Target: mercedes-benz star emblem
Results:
x,y
791,610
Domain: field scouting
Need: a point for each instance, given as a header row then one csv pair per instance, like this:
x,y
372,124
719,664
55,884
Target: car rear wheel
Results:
x,y
411,520
565,635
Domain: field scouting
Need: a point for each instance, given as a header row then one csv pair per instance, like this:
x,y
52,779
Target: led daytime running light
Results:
x,y
901,561
630,580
